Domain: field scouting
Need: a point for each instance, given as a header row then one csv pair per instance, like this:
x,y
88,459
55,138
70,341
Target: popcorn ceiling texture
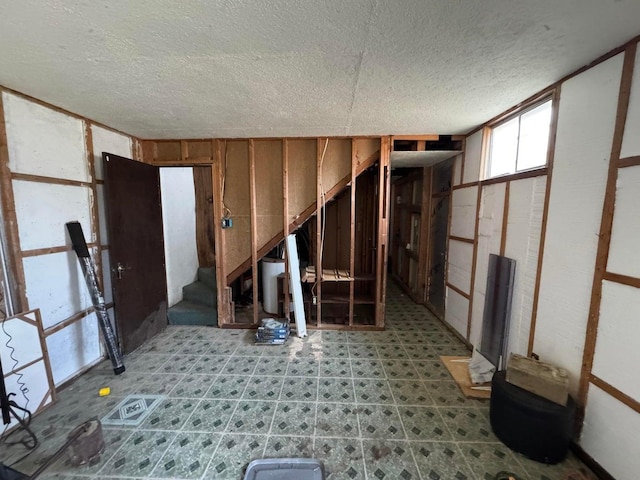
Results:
x,y
300,68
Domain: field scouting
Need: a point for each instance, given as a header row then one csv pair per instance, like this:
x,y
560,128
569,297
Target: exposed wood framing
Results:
x,y
464,185
320,213
538,172
462,161
56,181
458,291
483,153
225,315
12,237
95,223
383,229
285,223
629,162
425,232
615,393
47,250
352,230
622,279
461,239
606,223
553,130
254,230
505,219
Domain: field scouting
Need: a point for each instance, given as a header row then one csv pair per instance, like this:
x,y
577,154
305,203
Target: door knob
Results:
x,y
119,269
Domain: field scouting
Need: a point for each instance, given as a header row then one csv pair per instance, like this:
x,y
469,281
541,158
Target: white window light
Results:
x,y
521,142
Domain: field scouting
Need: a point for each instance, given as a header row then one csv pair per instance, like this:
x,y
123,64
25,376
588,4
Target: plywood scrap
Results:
x,y
459,369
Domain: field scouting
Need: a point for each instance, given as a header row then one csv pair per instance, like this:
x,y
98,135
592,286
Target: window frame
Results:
x,y
520,111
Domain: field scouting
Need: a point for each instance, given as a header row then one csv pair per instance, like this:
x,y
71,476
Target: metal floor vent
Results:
x,y
132,410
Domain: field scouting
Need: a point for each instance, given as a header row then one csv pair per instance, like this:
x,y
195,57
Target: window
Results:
x,y
521,142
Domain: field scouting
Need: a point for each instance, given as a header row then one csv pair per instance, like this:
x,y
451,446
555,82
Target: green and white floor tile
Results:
x,y
370,405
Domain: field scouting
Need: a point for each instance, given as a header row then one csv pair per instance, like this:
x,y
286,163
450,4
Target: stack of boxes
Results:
x,y
273,332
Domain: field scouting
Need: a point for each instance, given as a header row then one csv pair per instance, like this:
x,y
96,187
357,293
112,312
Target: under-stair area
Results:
x,y
199,304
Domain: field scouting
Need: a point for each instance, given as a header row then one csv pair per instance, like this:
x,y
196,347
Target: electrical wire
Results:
x,y
322,217
22,386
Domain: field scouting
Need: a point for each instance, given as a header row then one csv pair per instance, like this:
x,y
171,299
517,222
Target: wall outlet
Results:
x,y
227,223
315,300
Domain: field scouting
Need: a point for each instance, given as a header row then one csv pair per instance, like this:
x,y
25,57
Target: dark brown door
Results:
x,y
136,249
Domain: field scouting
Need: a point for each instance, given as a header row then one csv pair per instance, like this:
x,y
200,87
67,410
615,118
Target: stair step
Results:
x,y
189,313
207,275
199,292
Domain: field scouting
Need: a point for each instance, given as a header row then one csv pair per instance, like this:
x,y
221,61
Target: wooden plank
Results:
x,y
458,291
15,268
425,227
45,355
48,250
184,151
27,177
464,156
538,172
71,320
615,393
262,251
604,236
629,162
205,236
216,179
553,129
254,230
431,137
462,239
622,279
472,287
320,197
285,222
505,219
352,229
383,229
95,223
464,185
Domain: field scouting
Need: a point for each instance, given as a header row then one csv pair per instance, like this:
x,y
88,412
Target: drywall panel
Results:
x,y
237,200
302,176
336,164
631,139
43,141
460,261
617,355
56,286
457,170
489,236
102,216
524,226
473,158
610,435
179,224
463,212
43,209
625,235
269,198
73,348
111,142
583,143
457,311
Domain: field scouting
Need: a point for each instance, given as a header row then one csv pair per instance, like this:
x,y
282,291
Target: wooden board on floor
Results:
x,y
459,369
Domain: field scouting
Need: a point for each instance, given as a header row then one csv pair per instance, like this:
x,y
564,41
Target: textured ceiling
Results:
x,y
169,69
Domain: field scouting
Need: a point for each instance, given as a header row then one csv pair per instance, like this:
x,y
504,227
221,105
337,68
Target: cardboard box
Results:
x,y
540,378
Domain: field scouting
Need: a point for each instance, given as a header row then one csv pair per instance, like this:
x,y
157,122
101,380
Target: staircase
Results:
x,y
199,304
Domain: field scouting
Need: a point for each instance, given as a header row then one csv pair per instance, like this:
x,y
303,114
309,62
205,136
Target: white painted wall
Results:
x,y
179,220
585,131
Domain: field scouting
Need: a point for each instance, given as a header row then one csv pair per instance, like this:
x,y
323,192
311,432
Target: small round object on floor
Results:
x,y
529,424
89,444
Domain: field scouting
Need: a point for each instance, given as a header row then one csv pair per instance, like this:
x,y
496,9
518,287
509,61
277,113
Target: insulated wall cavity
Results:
x,y
463,212
624,253
610,435
179,224
631,139
524,227
586,122
473,158
110,142
457,311
44,142
459,264
489,237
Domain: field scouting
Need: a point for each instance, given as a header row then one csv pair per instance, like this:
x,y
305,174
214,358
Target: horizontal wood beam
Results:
x,y
615,393
42,179
458,291
629,162
462,239
622,279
